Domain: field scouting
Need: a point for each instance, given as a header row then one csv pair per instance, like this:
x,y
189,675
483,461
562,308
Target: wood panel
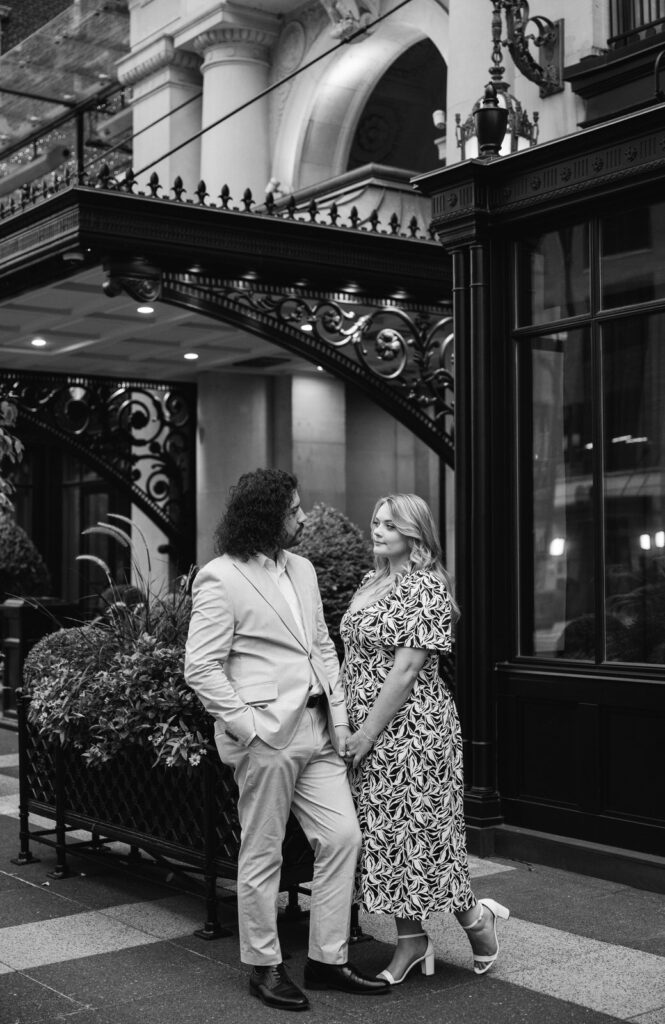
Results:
x,y
582,756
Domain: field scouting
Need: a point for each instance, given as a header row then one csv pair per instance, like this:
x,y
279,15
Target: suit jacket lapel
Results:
x,y
270,592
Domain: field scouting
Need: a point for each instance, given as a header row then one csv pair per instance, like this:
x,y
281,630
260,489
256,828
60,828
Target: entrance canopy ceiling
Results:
x,y
246,291
67,61
84,332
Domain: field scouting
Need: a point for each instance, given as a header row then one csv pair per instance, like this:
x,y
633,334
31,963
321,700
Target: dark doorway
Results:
x,y
395,127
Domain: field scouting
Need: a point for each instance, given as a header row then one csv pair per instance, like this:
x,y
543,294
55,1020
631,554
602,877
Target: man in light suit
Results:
x,y
260,659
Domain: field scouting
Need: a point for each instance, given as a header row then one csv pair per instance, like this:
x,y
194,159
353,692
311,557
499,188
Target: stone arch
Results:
x,y
324,106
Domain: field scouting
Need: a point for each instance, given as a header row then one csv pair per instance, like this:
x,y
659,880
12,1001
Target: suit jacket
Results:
x,y
247,659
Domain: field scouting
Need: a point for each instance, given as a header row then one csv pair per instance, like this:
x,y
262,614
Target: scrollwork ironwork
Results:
x,y
140,434
404,357
139,278
548,72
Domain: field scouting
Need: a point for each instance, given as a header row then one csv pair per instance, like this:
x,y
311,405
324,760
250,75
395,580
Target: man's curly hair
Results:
x,y
255,512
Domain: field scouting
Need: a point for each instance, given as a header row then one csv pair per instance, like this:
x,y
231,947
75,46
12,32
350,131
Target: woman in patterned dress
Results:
x,y
405,752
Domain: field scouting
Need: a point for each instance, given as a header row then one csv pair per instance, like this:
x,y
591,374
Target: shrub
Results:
x,y
118,682
22,569
341,556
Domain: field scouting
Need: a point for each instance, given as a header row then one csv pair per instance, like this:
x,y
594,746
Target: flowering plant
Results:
x,y
120,680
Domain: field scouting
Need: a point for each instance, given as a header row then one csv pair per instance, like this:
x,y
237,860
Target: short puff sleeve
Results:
x,y
419,614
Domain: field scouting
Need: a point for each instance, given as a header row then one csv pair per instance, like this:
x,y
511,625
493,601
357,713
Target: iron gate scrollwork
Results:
x,y
401,357
139,434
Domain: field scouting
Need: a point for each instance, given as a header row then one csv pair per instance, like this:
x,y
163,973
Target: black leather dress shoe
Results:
x,y
344,977
274,987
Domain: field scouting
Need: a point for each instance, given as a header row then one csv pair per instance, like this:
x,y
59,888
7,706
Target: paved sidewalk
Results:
x,y
103,947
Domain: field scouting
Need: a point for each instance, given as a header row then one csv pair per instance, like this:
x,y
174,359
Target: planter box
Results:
x,y
186,817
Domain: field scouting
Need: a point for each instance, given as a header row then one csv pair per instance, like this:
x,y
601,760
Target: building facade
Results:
x,y
547,260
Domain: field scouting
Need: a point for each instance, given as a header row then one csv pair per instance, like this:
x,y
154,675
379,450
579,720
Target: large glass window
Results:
x,y
632,256
553,272
634,487
558,549
591,431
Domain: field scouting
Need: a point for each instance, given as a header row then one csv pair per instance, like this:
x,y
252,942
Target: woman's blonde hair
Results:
x,y
412,518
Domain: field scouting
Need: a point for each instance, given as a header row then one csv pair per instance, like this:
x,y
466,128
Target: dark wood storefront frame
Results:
x,y
480,211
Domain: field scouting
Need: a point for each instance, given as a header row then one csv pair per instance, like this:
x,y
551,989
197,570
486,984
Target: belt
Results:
x,y
315,700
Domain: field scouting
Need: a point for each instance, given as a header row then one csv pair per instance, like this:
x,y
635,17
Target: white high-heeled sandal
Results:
x,y
426,961
482,964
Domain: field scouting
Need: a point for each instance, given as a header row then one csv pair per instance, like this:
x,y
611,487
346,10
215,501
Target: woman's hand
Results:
x,y
358,746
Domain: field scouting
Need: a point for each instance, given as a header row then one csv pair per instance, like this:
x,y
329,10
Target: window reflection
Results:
x,y
553,270
634,469
556,377
632,258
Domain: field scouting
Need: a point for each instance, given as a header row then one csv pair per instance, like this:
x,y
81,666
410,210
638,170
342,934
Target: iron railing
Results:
x,y
94,134
633,21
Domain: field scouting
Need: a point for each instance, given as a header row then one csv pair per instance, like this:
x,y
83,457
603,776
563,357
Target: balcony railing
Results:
x,y
635,21
96,133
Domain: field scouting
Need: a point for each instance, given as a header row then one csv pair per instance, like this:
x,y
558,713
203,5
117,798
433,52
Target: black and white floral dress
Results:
x,y
408,790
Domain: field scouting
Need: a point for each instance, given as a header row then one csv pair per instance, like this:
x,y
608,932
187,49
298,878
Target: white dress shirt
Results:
x,y
277,572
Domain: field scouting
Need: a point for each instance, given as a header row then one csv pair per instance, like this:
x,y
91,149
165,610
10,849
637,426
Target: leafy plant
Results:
x,y
120,680
341,556
23,572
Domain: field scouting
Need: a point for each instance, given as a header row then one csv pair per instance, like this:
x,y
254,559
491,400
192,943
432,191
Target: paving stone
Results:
x,y
8,741
156,970
8,788
84,1016
612,980
655,1017
97,886
25,1001
62,938
29,904
167,918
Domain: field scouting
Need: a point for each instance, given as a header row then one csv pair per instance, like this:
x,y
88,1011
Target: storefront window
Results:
x,y
634,488
553,270
557,458
632,248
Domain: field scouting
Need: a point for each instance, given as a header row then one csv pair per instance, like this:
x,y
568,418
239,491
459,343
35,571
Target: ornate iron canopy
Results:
x,y
400,356
370,304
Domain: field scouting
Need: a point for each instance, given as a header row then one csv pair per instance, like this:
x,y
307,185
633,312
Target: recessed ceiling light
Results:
x,y
38,342
145,310
191,355
320,369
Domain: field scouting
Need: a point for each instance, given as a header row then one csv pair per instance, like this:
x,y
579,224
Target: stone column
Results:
x,y
162,79
235,152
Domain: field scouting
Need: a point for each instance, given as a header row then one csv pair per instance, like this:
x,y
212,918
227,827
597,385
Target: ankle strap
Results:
x,y
474,924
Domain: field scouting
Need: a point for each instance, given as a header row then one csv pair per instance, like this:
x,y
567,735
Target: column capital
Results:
x,y
229,24
159,54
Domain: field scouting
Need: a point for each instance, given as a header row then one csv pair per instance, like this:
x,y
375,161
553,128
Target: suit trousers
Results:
x,y
309,778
